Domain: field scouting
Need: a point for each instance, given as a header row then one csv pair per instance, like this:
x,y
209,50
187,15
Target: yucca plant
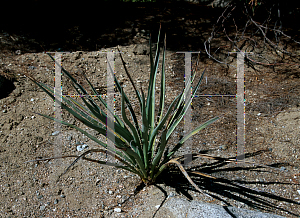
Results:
x,y
141,148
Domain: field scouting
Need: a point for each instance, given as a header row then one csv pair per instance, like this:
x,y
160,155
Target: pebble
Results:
x,y
4,111
69,138
118,210
110,192
55,201
40,196
223,147
82,147
260,180
282,168
298,192
62,196
171,194
42,207
55,133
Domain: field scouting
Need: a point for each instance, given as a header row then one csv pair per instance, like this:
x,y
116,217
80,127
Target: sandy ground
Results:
x,y
272,124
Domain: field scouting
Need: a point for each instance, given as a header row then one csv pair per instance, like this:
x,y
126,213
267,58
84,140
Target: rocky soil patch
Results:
x,y
90,190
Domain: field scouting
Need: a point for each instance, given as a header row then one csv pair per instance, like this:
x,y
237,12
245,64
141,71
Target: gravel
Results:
x,y
81,147
118,210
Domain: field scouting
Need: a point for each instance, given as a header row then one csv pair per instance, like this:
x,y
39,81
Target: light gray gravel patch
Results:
x,y
182,208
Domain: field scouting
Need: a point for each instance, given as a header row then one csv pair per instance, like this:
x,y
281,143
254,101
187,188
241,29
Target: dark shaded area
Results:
x,y
6,87
92,25
97,24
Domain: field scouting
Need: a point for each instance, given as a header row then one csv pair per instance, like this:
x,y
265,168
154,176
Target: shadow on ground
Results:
x,y
95,25
6,86
223,189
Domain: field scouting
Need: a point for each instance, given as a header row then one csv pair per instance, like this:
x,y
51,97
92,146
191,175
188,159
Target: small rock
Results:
x,y
4,111
223,147
282,168
70,138
55,201
62,196
72,121
110,192
141,50
157,206
260,180
32,99
31,67
39,139
55,133
118,210
171,194
298,192
20,117
42,207
82,147
40,196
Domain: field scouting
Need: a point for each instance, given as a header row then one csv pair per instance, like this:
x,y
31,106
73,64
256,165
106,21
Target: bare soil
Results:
x,y
272,124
